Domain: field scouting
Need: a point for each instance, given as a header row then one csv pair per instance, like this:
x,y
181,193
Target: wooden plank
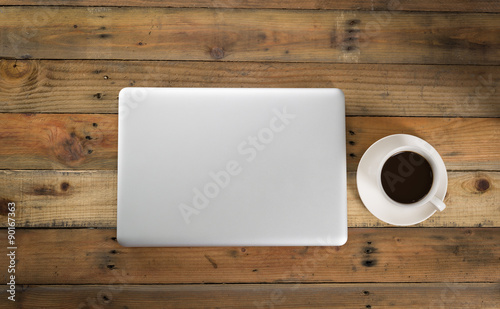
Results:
x,y
92,256
59,198
51,141
88,199
364,295
89,141
365,5
458,140
249,35
77,86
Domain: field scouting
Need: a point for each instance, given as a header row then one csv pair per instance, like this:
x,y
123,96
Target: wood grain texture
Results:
x,y
50,141
59,199
417,60
259,296
365,5
464,144
89,141
249,35
76,86
92,256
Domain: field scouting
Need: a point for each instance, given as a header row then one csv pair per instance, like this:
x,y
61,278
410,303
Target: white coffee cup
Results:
x,y
429,153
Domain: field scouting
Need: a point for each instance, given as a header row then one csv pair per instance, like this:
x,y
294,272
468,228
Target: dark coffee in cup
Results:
x,y
406,177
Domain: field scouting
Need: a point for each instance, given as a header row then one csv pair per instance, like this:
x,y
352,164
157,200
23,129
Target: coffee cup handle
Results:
x,y
438,203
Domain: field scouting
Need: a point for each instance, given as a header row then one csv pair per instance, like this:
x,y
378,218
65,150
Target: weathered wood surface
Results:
x,y
61,199
329,295
249,35
92,256
425,62
89,141
76,86
52,141
487,6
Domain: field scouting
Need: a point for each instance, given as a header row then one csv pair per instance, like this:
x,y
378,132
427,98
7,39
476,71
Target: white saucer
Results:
x,y
375,200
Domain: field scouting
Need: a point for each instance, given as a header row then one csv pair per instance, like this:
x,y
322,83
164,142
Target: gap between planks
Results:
x,y
486,6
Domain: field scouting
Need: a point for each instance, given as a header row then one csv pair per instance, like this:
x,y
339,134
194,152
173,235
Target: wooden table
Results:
x,y
428,68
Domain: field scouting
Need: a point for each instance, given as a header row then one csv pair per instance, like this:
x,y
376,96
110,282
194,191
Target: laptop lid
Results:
x,y
231,167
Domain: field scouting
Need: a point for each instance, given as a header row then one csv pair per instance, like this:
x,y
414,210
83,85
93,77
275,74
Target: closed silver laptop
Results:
x,y
231,167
